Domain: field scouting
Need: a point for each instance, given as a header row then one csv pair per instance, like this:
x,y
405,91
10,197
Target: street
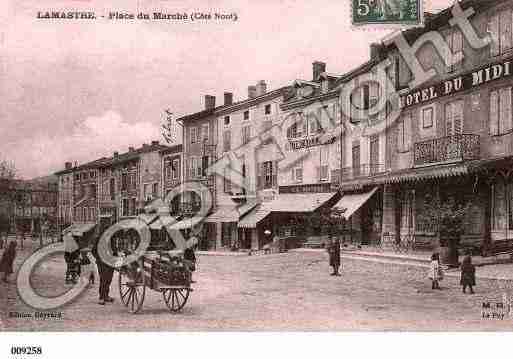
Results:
x,y
291,291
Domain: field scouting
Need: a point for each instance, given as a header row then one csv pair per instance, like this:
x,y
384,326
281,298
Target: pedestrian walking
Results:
x,y
468,274
7,260
105,271
334,254
190,257
435,271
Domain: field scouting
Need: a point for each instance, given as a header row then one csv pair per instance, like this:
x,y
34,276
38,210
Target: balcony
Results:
x,y
447,149
362,171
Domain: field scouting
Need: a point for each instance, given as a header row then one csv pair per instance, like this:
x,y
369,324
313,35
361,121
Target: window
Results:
x,y
299,128
314,126
246,134
500,112
404,134
227,141
499,28
204,166
267,175
146,191
226,180
193,134
374,154
226,120
427,117
267,109
199,169
112,189
454,40
297,172
246,115
124,207
132,182
324,165
132,207
407,211
355,156
194,164
155,190
454,118
206,132
92,174
124,181
175,168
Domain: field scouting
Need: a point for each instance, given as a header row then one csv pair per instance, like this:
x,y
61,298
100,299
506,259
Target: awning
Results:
x,y
350,203
254,217
225,214
298,202
79,229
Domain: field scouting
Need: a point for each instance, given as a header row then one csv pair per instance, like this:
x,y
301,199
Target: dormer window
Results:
x,y
226,120
267,109
324,86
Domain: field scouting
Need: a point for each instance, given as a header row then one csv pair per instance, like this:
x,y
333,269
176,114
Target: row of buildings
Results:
x,y
28,206
283,154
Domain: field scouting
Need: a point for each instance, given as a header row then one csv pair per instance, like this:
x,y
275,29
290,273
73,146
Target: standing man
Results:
x,y
105,271
334,253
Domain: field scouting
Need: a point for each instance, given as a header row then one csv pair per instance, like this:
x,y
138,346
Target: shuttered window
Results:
x,y
246,134
404,139
501,121
500,29
227,138
454,40
454,118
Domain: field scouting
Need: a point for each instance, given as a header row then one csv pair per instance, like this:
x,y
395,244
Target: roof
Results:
x,y
435,21
254,217
233,213
173,149
219,110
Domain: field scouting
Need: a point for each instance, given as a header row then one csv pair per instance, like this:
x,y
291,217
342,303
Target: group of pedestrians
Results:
x,y
467,278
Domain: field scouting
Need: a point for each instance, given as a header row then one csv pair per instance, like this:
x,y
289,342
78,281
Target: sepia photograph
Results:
x,y
280,166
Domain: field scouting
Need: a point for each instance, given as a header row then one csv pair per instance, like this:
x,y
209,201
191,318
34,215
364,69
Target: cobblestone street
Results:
x,y
290,291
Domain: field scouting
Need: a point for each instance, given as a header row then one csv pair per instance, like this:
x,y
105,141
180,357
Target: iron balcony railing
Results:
x,y
460,147
362,171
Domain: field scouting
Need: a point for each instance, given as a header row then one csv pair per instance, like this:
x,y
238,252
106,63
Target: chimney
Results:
x,y
131,149
375,51
228,98
68,165
210,102
261,88
318,67
252,91
154,143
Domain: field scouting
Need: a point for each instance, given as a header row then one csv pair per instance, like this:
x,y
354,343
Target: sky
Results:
x,y
76,90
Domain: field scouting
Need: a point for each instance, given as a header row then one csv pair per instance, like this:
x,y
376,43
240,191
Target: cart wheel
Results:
x,y
176,298
132,291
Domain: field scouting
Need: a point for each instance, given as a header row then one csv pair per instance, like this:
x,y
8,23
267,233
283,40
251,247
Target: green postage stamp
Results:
x,y
393,12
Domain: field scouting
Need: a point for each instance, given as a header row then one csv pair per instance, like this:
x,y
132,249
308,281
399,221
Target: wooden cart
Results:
x,y
166,273
162,269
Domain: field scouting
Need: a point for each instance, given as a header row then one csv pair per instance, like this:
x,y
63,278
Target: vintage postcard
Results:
x,y
255,166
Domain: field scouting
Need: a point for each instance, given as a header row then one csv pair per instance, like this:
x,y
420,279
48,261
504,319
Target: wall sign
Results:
x,y
457,84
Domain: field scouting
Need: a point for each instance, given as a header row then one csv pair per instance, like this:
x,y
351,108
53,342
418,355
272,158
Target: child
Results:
x,y
435,271
468,274
7,260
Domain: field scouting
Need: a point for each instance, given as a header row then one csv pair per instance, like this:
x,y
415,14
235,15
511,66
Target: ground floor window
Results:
x,y
502,204
226,234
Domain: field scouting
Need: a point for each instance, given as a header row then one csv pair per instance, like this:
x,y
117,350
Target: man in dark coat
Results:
x,y
105,271
468,274
7,260
334,253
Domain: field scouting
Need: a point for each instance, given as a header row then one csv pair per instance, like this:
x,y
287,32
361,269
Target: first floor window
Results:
x,y
404,141
297,173
124,207
501,121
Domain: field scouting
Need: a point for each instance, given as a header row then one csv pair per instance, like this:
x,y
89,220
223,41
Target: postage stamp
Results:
x,y
389,12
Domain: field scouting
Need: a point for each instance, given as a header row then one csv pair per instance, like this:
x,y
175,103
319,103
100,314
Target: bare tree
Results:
x,y
7,170
168,128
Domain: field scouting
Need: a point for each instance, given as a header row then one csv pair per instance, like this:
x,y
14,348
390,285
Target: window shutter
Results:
x,y
259,176
448,40
505,30
274,173
407,132
493,29
457,44
505,110
318,173
494,113
458,117
448,120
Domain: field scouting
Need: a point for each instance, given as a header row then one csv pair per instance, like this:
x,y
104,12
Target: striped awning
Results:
x,y
186,223
233,213
427,173
351,203
299,202
254,217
